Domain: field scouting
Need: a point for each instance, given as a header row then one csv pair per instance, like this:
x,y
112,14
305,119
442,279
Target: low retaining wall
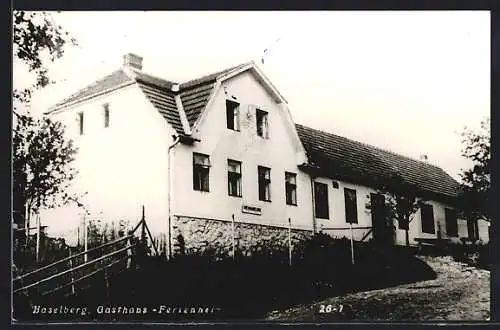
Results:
x,y
196,236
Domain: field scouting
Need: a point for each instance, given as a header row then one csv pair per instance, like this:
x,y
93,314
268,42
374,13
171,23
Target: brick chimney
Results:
x,y
132,61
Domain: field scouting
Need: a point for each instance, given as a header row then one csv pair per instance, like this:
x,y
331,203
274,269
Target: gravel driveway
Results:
x,y
459,292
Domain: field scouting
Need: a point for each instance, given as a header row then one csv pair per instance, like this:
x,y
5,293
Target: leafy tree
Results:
x,y
42,165
401,204
42,156
36,36
476,181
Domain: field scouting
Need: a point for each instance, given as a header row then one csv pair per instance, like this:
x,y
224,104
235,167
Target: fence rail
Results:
x,y
76,268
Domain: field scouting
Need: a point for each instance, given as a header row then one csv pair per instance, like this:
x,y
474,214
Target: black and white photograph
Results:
x,y
262,166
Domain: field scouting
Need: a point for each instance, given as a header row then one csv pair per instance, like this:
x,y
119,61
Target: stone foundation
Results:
x,y
195,236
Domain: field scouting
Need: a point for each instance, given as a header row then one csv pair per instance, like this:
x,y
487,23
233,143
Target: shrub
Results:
x,y
474,254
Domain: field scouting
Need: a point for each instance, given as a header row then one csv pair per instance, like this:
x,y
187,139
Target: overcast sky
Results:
x,y
403,81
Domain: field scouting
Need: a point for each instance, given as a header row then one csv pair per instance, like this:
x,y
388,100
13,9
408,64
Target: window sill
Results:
x,y
237,196
202,191
291,204
265,200
234,130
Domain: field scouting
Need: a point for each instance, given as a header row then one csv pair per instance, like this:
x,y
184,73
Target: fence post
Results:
x,y
232,228
290,241
85,238
129,253
143,229
106,281
72,274
38,237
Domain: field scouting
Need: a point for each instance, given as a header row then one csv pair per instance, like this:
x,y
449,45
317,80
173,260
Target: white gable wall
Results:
x,y
221,143
123,166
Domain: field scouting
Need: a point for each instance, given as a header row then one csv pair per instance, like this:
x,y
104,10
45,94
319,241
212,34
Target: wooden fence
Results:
x,y
75,273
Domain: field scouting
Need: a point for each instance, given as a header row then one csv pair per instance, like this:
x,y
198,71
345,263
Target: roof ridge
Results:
x,y
136,75
212,76
89,85
86,88
375,147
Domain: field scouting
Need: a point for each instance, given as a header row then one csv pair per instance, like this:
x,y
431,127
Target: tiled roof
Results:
x,y
194,93
211,78
110,81
195,99
164,101
357,162
335,156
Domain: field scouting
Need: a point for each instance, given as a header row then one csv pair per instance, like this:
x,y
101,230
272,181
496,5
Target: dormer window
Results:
x,y
232,115
80,122
106,114
262,124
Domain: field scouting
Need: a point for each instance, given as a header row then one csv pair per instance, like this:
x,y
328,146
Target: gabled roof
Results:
x,y
356,162
194,94
113,80
335,156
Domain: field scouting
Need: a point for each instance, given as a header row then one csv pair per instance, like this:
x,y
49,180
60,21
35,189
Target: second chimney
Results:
x,y
132,61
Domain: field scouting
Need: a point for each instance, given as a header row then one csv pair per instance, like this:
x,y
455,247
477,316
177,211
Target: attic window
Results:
x,y
80,122
106,114
232,115
262,124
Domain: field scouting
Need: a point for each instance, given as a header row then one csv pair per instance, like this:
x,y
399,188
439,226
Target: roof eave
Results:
x,y
56,108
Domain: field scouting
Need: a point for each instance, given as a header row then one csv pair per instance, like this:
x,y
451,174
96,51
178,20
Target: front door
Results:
x,y
382,229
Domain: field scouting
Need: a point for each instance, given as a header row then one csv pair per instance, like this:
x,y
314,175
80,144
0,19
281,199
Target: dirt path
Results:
x,y
458,293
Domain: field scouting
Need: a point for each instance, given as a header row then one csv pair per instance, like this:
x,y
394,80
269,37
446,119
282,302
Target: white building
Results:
x,y
199,153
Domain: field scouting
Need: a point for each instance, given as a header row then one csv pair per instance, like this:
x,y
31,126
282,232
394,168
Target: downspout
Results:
x,y
176,141
187,130
313,204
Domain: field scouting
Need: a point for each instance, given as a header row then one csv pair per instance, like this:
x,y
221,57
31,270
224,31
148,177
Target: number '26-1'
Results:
x,y
330,308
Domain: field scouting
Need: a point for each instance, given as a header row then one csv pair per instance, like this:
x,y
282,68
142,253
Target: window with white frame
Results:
x,y
232,115
264,174
427,217
291,188
351,206
262,123
201,172
321,207
234,178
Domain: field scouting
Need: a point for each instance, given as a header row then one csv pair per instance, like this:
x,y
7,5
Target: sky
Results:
x,y
404,81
